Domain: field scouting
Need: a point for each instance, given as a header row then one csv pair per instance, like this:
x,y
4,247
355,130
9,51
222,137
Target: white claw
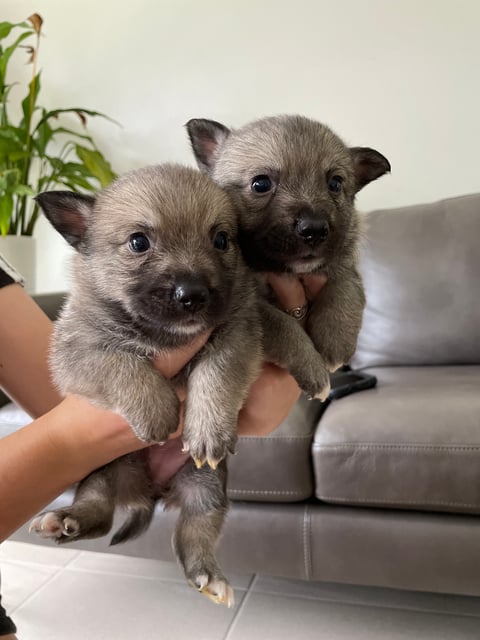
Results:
x,y
219,592
324,393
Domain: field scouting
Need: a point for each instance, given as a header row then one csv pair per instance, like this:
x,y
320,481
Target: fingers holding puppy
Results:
x,y
294,294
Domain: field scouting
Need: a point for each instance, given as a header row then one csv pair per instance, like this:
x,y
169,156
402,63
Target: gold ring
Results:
x,y
298,313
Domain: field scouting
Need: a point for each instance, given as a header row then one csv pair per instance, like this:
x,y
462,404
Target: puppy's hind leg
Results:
x,y
90,515
201,496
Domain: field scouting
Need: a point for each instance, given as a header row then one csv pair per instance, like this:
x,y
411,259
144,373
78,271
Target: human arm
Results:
x,y
25,333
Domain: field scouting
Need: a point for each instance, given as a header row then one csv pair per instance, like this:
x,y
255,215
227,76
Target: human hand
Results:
x,y
275,392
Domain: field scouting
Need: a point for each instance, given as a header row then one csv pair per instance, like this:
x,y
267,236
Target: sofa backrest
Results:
x,y
421,268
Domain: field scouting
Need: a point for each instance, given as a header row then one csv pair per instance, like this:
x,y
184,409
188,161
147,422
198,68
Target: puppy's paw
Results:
x,y
314,380
56,525
217,589
323,394
208,450
336,352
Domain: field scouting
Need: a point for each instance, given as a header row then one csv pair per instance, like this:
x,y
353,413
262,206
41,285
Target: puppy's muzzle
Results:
x,y
312,227
191,293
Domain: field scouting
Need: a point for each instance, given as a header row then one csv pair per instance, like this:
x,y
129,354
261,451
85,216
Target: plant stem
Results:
x,y
28,142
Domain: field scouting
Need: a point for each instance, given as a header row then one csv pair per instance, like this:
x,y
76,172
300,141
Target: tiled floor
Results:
x,y
55,594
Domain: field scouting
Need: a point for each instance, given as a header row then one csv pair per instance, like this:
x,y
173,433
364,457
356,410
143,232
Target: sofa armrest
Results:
x,y
50,303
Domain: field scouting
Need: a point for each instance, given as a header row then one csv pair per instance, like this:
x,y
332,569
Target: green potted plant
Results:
x,y
38,151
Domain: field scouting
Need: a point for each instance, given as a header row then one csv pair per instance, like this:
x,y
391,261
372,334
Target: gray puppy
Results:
x,y
294,183
157,263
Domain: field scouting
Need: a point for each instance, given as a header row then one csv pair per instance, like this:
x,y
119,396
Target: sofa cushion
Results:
x,y
413,442
421,268
277,467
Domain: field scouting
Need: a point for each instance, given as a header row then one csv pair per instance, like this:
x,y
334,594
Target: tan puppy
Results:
x,y
157,263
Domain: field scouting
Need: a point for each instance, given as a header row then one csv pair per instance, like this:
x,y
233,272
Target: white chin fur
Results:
x,y
188,329
304,266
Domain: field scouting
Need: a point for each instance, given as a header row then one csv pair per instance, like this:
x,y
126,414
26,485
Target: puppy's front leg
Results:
x,y
336,317
217,388
287,345
122,382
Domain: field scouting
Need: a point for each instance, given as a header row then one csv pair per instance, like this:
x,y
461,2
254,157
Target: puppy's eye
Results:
x,y
261,184
335,184
220,241
138,243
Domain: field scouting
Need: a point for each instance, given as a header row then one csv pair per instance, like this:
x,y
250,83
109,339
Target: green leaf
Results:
x,y
43,135
76,182
79,111
5,57
29,102
96,164
23,190
9,143
6,27
10,177
6,211
73,133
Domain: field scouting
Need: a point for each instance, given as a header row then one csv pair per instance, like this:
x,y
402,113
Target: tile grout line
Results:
x,y
44,584
368,605
241,607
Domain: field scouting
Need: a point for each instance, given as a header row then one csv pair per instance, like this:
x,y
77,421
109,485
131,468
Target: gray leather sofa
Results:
x,y
381,487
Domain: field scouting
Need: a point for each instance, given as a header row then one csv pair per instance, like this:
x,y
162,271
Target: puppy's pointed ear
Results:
x,y
206,136
69,213
368,165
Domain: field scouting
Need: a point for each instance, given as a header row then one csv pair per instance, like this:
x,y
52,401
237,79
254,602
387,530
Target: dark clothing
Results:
x,y
8,275
6,624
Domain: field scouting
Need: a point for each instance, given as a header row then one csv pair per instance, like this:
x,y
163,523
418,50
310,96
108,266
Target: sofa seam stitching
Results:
x,y
387,501
283,492
273,438
306,543
421,447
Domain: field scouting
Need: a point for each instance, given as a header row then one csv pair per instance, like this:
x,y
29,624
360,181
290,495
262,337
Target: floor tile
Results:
x,y
141,567
19,581
369,596
32,553
78,605
265,616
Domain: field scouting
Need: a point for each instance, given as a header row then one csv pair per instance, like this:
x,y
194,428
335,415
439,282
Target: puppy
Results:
x,y
157,263
294,183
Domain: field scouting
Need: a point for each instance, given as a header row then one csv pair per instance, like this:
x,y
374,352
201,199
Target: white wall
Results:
x,y
399,75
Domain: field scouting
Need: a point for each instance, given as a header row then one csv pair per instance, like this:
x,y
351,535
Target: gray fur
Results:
x,y
124,308
300,157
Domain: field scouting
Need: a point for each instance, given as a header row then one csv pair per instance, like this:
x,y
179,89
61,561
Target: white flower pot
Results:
x,y
20,252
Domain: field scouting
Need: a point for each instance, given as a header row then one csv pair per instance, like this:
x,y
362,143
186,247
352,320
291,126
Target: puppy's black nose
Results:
x,y
312,228
191,292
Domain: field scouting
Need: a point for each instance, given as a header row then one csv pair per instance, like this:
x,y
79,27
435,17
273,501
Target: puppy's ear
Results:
x,y
206,137
368,165
69,213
